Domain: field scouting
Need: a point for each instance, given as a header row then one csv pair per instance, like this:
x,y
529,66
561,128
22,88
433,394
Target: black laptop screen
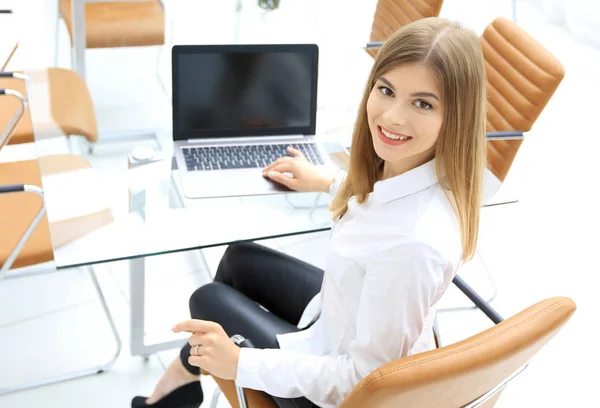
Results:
x,y
235,90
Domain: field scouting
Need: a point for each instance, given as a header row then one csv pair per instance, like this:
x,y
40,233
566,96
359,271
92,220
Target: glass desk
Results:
x,y
98,216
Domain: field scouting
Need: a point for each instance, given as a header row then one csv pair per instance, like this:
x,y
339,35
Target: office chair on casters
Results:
x,y
468,374
521,76
390,15
25,245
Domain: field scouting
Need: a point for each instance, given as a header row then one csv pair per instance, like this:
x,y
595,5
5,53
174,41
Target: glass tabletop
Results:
x,y
123,211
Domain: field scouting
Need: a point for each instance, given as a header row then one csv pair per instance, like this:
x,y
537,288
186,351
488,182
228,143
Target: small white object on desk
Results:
x,y
142,153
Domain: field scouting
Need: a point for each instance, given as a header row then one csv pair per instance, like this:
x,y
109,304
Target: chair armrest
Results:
x,y
12,188
242,342
6,134
21,188
478,300
505,135
373,45
19,75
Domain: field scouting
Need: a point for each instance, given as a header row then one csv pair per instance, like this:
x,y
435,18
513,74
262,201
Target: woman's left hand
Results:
x,y
215,353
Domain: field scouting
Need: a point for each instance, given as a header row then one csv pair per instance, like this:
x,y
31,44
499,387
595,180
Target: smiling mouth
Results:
x,y
392,139
393,136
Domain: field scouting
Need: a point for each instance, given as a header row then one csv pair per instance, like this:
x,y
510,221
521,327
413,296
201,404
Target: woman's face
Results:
x,y
405,114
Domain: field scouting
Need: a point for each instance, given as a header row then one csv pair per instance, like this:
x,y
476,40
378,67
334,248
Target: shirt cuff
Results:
x,y
248,368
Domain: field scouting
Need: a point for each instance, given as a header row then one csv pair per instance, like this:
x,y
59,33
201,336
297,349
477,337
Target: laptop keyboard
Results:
x,y
245,156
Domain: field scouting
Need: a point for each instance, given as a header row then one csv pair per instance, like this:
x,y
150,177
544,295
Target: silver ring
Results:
x,y
196,350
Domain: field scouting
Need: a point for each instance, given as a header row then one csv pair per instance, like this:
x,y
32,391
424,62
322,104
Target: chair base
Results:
x,y
215,398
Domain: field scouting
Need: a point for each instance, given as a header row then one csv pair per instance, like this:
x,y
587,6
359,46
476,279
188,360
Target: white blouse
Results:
x,y
389,262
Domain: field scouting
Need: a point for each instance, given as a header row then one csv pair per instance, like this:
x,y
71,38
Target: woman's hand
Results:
x,y
306,177
215,352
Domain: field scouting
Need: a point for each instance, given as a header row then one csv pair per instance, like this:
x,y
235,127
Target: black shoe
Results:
x,y
187,396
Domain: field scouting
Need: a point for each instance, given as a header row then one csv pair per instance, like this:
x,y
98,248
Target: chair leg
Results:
x,y
109,317
157,71
56,27
490,280
168,40
436,333
81,373
215,398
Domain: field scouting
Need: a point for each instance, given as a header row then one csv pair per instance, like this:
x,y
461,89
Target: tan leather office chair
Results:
x,y
522,76
25,242
70,104
468,374
390,15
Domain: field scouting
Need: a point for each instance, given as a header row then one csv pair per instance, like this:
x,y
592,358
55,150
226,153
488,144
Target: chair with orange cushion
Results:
x,y
468,374
522,76
26,245
114,24
390,15
70,102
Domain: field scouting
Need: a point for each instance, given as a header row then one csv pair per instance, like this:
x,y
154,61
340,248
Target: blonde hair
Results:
x,y
454,54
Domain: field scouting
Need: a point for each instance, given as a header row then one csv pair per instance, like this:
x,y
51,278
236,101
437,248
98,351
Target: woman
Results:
x,y
407,214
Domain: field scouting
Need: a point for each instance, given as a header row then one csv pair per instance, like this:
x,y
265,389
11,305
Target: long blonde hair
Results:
x,y
453,53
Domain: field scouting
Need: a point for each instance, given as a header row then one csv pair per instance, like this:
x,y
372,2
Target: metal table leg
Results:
x,y
136,287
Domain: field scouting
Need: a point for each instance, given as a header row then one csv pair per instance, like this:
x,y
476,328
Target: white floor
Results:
x,y
542,246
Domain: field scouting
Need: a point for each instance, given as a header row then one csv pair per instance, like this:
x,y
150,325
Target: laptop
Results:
x,y
236,108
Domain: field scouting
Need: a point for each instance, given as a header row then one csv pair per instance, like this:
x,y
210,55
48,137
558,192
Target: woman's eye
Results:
x,y
423,105
386,91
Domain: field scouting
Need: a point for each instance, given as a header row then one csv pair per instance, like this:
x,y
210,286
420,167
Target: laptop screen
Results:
x,y
244,90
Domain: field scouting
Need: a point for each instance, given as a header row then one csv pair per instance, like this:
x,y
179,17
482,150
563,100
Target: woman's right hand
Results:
x,y
306,177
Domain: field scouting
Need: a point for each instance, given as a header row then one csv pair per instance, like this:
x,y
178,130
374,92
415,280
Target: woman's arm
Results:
x,y
401,282
305,176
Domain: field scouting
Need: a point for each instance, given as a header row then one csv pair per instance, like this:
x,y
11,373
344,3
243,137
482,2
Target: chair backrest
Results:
x,y
455,375
521,78
70,102
390,15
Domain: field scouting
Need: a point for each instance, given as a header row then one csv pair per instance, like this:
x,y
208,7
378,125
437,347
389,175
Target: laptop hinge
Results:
x,y
253,139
